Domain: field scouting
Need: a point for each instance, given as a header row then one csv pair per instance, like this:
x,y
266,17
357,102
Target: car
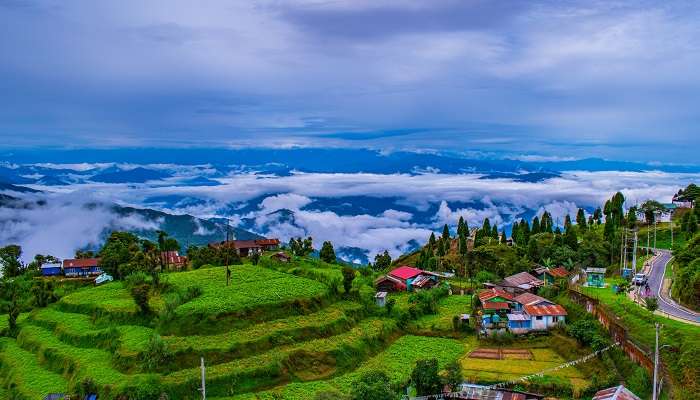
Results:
x,y
102,278
639,279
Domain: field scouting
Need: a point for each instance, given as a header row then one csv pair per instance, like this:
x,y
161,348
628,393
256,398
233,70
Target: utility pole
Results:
x,y
634,253
227,248
656,363
203,389
654,232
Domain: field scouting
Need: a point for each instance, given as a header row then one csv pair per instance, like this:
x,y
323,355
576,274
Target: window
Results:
x,y
539,318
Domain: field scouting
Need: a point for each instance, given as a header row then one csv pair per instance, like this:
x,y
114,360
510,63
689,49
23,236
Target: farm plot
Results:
x,y
22,370
250,287
448,307
396,361
498,365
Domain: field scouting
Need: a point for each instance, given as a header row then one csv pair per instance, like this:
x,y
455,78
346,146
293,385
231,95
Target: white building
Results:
x,y
545,316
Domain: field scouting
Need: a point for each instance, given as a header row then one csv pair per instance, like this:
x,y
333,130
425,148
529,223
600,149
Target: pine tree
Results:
x,y
535,225
494,232
441,248
486,227
431,241
581,219
525,229
445,233
327,252
462,227
463,245
570,238
567,221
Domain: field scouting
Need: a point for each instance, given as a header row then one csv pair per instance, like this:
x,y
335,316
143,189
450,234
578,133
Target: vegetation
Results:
x,y
686,285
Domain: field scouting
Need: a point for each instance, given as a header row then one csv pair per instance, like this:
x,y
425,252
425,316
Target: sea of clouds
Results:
x,y
281,206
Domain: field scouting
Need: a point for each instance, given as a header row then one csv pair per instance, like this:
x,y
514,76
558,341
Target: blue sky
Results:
x,y
617,80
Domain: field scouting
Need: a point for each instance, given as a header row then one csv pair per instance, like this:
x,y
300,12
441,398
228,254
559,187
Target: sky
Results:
x,y
611,79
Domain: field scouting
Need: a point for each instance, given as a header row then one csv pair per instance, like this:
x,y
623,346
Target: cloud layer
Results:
x,y
612,79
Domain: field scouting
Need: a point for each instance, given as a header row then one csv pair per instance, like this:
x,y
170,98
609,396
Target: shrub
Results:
x,y
156,355
373,385
348,277
135,279
141,294
651,303
425,377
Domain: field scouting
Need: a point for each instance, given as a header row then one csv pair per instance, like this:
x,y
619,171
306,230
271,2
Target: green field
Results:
x,y
279,331
448,308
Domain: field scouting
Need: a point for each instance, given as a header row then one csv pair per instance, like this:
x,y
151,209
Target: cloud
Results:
x,y
289,73
63,224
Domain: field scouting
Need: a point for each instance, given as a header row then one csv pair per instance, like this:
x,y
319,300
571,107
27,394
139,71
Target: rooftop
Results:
x,y
405,272
545,310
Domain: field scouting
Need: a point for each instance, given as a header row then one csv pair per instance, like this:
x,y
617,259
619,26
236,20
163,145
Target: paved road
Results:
x,y
666,304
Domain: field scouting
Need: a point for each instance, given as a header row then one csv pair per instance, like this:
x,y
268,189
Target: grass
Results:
x,y
663,235
27,378
328,321
396,361
488,371
448,307
315,359
250,287
683,338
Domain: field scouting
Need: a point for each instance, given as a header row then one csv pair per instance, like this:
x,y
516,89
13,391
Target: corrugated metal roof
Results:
x,y
615,393
405,272
81,263
488,294
554,309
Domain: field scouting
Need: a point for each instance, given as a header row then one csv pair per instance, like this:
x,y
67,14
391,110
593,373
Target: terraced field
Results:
x,y
95,335
274,333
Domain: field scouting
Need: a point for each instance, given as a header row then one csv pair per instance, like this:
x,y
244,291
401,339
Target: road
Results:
x,y
666,304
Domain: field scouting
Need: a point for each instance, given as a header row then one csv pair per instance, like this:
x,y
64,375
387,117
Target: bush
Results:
x,y
135,279
156,355
141,294
373,385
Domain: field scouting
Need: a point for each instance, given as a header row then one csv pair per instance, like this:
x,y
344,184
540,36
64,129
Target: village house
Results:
x,y
173,260
615,393
245,248
281,257
550,275
519,314
82,267
518,283
595,277
51,269
406,278
545,316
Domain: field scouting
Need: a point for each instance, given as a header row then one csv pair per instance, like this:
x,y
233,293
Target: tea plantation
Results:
x,y
278,331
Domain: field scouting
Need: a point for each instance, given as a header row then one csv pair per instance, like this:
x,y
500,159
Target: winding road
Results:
x,y
656,280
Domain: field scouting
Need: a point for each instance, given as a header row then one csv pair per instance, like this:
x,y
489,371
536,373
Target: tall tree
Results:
x,y
14,295
486,227
650,209
567,221
535,226
327,253
425,377
348,277
462,227
598,215
632,217
372,385
445,233
10,261
581,219
382,261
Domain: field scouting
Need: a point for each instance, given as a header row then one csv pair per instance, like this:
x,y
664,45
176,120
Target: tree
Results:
x,y
632,216
463,246
432,241
462,227
570,237
445,233
81,254
692,226
581,219
535,226
382,261
39,260
118,253
10,261
13,299
43,293
651,303
390,305
327,253
650,209
425,377
348,277
373,385
453,376
486,227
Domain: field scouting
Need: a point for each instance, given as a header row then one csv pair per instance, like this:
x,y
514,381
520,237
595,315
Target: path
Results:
x,y
656,282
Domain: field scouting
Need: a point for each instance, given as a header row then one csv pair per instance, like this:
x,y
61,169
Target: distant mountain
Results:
x,y
16,188
188,230
136,175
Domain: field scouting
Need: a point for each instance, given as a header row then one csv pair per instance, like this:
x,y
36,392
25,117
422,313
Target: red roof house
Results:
x,y
405,272
82,267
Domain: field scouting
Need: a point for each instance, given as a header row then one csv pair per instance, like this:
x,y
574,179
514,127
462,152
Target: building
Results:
x,y
595,277
468,391
245,248
51,269
173,259
388,283
380,298
615,393
529,299
406,278
82,267
550,275
522,281
281,257
545,316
